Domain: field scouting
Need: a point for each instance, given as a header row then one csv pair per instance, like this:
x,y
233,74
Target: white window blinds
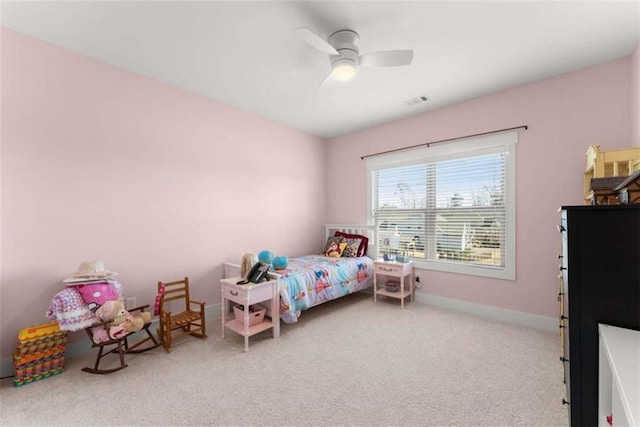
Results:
x,y
449,208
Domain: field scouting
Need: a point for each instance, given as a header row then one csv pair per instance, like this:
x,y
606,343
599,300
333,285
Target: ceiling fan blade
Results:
x,y
387,58
328,81
315,40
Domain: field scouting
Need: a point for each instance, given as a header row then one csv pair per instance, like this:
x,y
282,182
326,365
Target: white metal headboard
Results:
x,y
371,231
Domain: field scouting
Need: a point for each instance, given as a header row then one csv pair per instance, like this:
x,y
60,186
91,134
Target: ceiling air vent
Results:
x,y
415,101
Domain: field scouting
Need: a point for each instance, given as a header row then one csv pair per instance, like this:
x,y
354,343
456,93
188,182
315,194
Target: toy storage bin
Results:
x,y
40,353
392,286
256,314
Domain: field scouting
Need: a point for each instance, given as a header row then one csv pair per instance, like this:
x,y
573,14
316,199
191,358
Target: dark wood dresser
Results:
x,y
599,283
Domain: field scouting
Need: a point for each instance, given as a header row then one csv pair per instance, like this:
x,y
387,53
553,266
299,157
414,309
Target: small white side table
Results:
x,y
251,293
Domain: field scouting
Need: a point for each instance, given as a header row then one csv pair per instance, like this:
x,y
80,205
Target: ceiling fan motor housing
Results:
x,y
344,54
346,43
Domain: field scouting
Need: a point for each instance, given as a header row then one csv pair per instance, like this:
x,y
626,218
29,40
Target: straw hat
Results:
x,y
90,270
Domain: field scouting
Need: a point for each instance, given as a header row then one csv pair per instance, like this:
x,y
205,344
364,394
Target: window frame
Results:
x,y
505,142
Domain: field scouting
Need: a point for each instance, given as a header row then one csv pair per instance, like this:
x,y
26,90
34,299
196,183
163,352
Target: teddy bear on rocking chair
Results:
x,y
116,321
115,327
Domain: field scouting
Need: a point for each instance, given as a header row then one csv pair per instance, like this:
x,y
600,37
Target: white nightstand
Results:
x,y
395,269
251,293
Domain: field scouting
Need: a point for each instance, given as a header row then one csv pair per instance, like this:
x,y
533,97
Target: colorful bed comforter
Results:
x,y
313,279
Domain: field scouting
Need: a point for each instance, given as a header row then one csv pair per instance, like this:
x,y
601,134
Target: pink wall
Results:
x,y
564,114
99,163
96,162
635,97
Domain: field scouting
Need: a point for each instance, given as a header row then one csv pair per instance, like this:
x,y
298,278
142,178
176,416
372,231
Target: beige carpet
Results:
x,y
347,362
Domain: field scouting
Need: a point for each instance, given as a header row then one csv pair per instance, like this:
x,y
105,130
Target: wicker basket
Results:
x,y
392,286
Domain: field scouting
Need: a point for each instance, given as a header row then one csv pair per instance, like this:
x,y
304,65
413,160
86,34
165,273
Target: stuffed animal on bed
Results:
x,y
280,262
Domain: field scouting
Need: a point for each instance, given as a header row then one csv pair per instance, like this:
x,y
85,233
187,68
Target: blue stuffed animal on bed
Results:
x,y
265,256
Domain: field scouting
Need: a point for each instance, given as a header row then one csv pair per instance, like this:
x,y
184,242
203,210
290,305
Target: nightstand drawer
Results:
x,y
241,293
395,270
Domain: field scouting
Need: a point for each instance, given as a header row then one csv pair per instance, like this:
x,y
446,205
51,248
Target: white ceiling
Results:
x,y
245,54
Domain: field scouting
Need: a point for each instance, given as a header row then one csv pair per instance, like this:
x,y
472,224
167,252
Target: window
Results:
x,y
449,207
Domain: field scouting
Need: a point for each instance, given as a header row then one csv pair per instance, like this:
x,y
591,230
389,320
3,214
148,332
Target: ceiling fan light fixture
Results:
x,y
344,54
343,70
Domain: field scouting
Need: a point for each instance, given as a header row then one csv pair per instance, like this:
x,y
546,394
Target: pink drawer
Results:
x,y
395,270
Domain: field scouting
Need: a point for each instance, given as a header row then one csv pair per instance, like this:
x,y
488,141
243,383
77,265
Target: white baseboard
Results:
x,y
535,321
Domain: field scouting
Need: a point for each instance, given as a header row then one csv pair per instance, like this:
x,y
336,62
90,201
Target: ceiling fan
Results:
x,y
344,55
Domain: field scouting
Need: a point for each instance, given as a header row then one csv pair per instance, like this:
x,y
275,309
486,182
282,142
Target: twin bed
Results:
x,y
313,279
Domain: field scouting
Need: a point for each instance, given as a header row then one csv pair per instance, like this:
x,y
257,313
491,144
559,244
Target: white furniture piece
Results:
x,y
246,295
619,376
400,270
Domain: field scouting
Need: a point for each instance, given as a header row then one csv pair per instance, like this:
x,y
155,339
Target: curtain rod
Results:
x,y
525,127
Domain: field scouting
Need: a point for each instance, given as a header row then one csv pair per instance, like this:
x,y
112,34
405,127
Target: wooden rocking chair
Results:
x,y
120,345
186,321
